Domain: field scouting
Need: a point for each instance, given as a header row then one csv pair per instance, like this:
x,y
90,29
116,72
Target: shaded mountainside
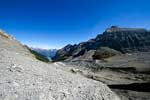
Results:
x,y
124,40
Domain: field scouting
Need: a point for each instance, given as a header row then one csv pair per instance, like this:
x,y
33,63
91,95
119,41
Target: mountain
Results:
x,y
124,40
23,77
48,53
120,58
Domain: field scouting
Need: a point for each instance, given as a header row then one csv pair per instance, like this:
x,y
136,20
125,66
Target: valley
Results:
x,y
94,70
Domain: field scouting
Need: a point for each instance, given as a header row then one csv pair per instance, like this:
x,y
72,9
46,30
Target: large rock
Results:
x,y
124,40
25,78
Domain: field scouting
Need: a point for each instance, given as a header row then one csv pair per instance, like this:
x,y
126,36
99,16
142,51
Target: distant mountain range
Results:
x,y
48,53
124,40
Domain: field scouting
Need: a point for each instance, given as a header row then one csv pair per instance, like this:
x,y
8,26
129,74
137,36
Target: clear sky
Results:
x,y
56,23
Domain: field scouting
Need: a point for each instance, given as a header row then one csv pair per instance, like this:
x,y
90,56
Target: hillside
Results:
x,y
22,77
10,43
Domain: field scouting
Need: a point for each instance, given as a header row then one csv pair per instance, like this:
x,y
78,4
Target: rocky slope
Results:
x,y
126,74
11,44
24,78
124,40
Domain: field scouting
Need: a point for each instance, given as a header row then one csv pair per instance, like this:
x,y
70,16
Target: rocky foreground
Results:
x,y
22,77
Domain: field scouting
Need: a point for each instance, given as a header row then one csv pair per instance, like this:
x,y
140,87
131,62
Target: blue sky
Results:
x,y
56,23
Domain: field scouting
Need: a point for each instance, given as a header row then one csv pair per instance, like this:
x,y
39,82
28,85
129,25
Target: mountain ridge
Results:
x,y
124,40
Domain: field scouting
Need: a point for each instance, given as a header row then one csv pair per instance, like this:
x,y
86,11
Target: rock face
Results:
x,y
24,78
121,39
